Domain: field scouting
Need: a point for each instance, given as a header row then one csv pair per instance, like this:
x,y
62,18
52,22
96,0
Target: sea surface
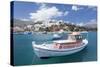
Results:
x,y
24,53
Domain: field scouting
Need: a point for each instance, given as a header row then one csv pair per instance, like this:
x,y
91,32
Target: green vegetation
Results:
x,y
21,26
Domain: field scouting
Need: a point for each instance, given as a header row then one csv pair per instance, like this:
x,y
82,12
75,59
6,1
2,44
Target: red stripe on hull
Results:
x,y
67,45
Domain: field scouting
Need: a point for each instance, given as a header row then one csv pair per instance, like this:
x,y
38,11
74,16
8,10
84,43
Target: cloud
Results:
x,y
92,7
24,19
93,21
66,13
80,24
76,8
46,13
43,6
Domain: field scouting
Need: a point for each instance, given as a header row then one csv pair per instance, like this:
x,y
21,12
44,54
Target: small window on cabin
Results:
x,y
78,37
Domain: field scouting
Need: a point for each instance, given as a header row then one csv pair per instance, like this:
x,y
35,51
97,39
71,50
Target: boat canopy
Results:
x,y
75,33
75,36
64,41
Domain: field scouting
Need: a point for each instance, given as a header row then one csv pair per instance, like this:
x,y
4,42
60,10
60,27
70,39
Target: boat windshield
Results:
x,y
81,36
78,37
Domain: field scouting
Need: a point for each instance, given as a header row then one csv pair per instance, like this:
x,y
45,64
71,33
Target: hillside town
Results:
x,y
48,26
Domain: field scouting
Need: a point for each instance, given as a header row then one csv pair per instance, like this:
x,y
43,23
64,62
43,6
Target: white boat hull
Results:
x,y
43,52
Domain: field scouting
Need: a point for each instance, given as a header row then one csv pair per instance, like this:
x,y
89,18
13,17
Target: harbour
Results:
x,y
24,54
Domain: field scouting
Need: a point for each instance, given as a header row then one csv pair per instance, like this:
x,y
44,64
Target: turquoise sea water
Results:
x,y
24,54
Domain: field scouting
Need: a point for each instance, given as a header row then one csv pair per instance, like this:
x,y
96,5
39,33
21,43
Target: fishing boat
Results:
x,y
46,36
27,32
74,43
56,36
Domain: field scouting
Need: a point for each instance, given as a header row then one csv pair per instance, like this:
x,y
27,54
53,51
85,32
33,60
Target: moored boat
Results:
x,y
73,44
46,36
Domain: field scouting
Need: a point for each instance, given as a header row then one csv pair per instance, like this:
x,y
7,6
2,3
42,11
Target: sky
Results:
x,y
50,11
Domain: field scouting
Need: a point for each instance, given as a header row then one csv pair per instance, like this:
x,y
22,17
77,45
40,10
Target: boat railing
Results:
x,y
64,46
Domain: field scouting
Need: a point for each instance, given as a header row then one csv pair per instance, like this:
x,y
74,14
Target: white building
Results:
x,y
16,29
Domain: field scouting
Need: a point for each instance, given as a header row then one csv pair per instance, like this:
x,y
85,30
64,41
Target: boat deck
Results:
x,y
55,46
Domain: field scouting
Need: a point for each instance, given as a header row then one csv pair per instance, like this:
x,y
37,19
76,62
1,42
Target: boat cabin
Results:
x,y
74,39
75,36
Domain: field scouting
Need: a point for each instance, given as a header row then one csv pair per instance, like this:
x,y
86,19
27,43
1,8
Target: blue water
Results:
x,y
24,54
